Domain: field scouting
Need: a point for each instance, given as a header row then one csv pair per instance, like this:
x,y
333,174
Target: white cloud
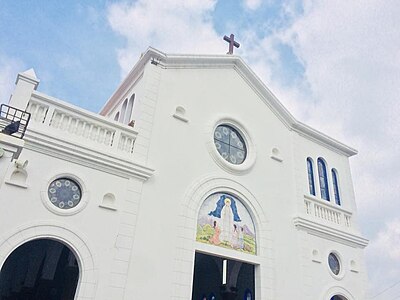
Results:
x,y
388,240
384,250
351,61
9,68
169,25
252,4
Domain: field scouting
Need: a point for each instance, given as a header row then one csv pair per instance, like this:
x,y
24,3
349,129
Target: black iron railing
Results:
x,y
13,121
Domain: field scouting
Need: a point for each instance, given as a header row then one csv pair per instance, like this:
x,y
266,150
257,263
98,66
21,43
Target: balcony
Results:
x,y
75,126
13,124
13,121
324,219
324,211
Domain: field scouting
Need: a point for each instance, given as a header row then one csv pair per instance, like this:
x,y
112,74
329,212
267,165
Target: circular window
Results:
x,y
334,263
230,144
64,193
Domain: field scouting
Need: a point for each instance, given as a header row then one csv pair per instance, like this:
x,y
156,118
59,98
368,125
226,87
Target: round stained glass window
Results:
x,y
334,263
64,193
230,144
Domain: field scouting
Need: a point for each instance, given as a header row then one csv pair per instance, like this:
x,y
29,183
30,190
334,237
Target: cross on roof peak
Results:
x,y
232,42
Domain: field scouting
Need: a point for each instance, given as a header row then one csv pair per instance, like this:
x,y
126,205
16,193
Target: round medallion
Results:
x,y
230,144
64,193
334,263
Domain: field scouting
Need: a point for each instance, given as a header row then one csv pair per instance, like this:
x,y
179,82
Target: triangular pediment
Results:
x,y
218,61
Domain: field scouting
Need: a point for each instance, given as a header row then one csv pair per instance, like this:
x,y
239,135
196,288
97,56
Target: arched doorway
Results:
x,y
222,279
40,269
224,222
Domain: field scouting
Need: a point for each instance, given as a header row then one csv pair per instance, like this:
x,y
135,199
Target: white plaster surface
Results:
x,y
144,246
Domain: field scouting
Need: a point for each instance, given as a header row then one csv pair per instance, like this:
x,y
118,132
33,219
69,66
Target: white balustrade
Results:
x,y
324,210
76,125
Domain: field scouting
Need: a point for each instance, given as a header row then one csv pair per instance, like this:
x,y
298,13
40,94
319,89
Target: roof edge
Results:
x,y
216,61
150,53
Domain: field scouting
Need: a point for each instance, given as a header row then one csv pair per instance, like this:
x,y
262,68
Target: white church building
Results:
x,y
193,182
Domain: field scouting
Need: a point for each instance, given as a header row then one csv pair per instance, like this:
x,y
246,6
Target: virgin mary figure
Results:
x,y
226,210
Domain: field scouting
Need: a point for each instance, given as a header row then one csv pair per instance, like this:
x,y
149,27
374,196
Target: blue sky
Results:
x,y
334,64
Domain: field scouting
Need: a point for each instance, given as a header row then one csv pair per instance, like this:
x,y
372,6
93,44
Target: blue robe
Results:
x,y
221,203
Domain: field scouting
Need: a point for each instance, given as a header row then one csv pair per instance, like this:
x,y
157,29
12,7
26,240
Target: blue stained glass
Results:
x,y
64,193
335,186
230,144
334,264
323,179
310,171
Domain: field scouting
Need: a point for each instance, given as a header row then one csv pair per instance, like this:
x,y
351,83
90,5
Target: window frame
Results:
x,y
335,183
323,179
310,175
229,143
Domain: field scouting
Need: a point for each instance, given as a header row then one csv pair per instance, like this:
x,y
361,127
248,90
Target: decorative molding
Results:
x,y
61,232
328,204
276,155
353,266
276,158
9,143
21,185
180,113
330,233
190,205
64,212
316,256
89,157
175,61
180,118
108,207
109,202
250,159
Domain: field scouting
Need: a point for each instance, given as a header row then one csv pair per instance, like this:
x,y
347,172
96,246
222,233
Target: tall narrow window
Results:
x,y
123,111
310,172
323,179
335,186
116,116
128,113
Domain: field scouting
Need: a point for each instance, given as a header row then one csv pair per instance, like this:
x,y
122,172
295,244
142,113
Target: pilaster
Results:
x,y
26,83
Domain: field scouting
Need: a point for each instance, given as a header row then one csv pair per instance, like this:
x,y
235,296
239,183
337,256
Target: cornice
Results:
x,y
131,78
85,156
330,233
189,61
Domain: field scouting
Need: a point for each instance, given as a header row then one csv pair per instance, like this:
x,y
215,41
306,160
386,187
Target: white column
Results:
x,y
26,83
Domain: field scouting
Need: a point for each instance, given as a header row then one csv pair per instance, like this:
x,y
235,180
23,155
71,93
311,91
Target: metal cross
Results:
x,y
232,42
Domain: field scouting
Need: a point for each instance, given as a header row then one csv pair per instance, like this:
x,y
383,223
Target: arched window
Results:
x,y
129,109
123,111
323,179
335,186
116,116
310,171
336,297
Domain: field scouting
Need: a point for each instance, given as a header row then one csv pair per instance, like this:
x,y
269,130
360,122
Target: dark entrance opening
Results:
x,y
214,281
41,269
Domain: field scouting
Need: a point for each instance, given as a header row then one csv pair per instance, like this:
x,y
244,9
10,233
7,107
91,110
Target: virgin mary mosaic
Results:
x,y
224,221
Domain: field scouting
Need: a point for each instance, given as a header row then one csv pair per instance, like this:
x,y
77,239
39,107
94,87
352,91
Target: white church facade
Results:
x,y
193,182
